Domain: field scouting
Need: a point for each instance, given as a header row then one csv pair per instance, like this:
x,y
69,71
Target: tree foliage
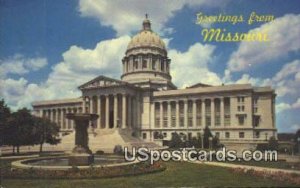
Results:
x,y
45,131
4,118
20,128
175,141
207,134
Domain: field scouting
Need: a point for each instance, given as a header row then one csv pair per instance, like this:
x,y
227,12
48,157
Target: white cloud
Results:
x,y
295,127
79,65
284,35
191,67
20,65
124,18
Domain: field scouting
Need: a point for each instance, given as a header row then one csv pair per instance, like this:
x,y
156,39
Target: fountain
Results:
x,y
81,161
81,154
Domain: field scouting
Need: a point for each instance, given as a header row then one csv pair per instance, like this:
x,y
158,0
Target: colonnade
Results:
x,y
57,115
192,112
115,111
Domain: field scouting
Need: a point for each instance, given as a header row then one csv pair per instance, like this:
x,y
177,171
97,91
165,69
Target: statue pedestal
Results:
x,y
81,154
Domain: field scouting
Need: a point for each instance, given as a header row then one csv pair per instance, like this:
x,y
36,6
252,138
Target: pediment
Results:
x,y
102,81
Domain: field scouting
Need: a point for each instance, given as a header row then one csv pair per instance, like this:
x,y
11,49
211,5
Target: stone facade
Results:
x,y
146,102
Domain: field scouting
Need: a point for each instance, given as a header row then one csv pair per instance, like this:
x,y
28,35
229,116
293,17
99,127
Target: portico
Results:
x,y
114,110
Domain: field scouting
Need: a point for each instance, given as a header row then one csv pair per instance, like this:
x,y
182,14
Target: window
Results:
x,y
241,134
218,121
217,135
227,135
255,109
156,135
255,101
241,120
153,65
241,108
165,135
136,65
208,121
162,66
144,136
256,120
241,99
257,134
144,64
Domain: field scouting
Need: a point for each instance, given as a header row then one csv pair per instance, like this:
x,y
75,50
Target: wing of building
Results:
x,y
145,102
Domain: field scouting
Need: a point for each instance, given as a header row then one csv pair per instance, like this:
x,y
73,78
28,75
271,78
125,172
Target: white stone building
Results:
x,y
147,104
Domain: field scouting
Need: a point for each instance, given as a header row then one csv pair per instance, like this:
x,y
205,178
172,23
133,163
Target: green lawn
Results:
x,y
270,164
178,174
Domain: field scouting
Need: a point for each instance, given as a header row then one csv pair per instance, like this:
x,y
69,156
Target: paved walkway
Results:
x,y
257,168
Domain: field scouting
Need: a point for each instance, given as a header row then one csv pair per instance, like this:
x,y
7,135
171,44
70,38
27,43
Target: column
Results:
x,y
91,106
129,111
222,111
177,114
150,62
161,113
212,108
186,113
72,121
203,112
61,119
124,111
106,111
51,115
99,112
48,114
194,113
68,123
84,105
169,114
56,117
116,111
134,113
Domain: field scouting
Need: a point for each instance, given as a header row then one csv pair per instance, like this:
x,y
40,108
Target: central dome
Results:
x,y
146,38
146,63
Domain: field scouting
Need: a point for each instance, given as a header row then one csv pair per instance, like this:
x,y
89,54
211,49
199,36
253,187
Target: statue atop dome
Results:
x,y
146,23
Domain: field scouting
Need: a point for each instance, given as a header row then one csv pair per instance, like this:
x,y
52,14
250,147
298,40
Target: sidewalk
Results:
x,y
229,165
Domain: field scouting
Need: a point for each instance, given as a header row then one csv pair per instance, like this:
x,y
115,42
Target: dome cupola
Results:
x,y
146,61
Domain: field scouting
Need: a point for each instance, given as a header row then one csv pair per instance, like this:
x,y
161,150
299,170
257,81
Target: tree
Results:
x,y
20,129
196,142
175,141
4,118
207,134
45,131
297,142
216,142
273,143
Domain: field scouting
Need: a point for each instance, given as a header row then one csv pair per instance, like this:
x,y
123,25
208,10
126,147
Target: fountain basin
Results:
x,y
62,163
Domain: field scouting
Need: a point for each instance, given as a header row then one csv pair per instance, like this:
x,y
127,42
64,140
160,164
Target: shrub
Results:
x,y
99,152
118,150
175,141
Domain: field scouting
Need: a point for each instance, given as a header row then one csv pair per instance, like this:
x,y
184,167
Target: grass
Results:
x,y
177,174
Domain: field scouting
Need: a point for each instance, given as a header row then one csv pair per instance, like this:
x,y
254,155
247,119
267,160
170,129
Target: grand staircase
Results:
x,y
106,139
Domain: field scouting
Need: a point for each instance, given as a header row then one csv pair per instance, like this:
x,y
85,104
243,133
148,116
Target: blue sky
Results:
x,y
49,47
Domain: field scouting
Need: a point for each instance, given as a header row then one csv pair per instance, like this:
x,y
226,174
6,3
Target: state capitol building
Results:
x,y
146,105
